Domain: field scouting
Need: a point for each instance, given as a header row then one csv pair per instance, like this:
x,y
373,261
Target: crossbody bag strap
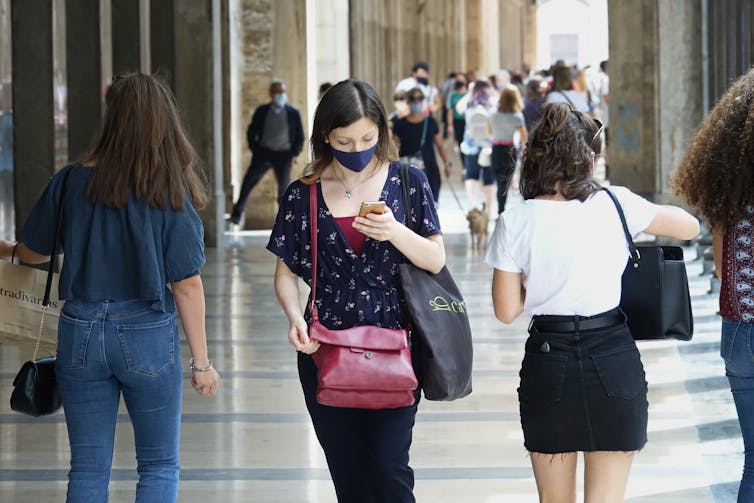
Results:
x,y
55,239
424,132
633,251
313,230
51,265
567,99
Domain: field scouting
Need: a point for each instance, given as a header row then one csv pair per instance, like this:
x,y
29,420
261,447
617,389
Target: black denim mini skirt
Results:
x,y
582,388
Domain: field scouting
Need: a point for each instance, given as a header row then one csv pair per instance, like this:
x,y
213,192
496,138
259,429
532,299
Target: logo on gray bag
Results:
x,y
441,304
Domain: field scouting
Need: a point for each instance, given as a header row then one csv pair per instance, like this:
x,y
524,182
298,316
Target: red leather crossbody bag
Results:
x,y
363,367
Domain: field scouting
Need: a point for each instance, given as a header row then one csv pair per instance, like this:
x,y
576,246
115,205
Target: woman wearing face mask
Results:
x,y
417,134
357,278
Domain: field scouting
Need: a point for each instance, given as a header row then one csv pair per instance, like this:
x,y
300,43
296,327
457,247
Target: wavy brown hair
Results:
x,y
143,149
510,100
560,154
716,175
342,105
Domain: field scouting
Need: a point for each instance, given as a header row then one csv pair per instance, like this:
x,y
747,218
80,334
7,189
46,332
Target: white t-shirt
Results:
x,y
578,99
409,83
571,255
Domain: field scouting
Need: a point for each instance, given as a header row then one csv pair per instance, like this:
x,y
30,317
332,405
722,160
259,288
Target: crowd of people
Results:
x,y
557,257
488,119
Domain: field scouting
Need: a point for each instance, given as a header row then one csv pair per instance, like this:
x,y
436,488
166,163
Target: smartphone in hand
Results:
x,y
368,207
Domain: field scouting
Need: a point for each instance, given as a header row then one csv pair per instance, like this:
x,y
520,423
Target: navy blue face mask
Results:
x,y
355,161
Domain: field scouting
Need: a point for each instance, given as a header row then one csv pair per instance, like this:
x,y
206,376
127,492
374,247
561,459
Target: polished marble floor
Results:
x,y
254,442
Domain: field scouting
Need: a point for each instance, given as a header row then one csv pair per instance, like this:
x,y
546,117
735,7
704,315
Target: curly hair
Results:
x,y
716,175
560,154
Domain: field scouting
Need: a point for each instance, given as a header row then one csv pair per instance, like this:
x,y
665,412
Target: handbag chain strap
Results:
x,y
633,251
313,230
51,265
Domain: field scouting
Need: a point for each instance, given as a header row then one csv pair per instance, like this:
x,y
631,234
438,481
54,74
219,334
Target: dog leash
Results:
x,y
455,196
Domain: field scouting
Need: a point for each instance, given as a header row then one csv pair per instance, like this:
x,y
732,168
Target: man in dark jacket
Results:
x,y
275,136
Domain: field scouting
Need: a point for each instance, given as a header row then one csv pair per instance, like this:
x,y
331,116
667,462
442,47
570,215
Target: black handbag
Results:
x,y
442,345
35,389
655,290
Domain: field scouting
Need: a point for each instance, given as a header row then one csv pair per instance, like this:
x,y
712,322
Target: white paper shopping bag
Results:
x,y
21,292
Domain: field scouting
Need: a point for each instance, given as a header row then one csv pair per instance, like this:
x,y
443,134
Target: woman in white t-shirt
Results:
x,y
559,256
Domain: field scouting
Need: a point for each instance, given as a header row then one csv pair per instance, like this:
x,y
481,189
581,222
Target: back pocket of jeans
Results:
x,y
149,348
542,376
73,339
620,371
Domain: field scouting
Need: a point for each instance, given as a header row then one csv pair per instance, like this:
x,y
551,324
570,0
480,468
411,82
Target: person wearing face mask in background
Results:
x,y
456,120
400,108
420,78
275,137
417,134
367,451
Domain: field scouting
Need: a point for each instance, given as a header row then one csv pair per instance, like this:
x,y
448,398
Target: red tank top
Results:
x,y
737,280
354,237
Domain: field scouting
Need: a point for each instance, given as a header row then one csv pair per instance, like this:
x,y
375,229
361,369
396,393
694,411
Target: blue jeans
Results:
x,y
736,350
109,348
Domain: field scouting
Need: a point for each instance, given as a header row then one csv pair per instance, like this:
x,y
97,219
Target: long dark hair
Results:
x,y
342,105
716,175
143,148
560,150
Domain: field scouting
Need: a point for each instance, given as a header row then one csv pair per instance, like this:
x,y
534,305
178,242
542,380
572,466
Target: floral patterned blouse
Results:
x,y
737,286
352,289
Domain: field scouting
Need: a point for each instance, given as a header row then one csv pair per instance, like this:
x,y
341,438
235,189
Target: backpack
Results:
x,y
477,124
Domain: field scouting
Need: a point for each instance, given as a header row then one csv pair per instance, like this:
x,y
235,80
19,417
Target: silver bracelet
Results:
x,y
200,369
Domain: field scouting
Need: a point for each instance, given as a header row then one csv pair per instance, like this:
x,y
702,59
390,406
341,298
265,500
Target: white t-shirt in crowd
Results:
x,y
409,83
578,99
571,255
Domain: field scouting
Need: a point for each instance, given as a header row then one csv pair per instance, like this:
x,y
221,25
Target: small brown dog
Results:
x,y
479,222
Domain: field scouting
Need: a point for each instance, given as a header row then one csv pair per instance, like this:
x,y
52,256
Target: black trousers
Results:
x,y
261,161
459,128
503,162
432,170
366,450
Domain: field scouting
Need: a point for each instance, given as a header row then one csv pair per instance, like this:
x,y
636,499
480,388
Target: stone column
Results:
x,y
194,90
511,38
652,114
84,74
633,71
270,44
126,36
162,36
33,131
406,31
473,42
679,99
529,20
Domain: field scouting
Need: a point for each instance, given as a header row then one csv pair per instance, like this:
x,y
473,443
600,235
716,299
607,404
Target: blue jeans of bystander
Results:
x,y
109,348
736,350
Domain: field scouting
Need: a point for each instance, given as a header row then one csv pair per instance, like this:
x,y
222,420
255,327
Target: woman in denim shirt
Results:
x,y
129,230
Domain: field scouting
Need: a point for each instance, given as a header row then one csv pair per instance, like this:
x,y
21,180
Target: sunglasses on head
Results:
x,y
597,122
